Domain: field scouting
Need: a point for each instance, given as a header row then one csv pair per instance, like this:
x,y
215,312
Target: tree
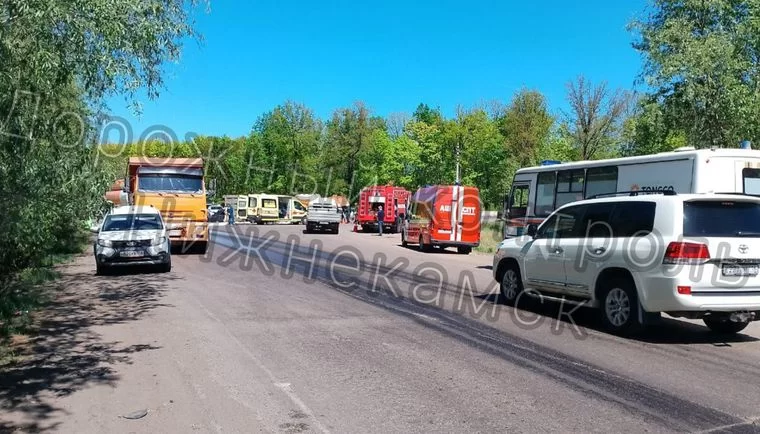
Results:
x,y
397,124
59,60
559,145
702,60
596,117
348,136
647,131
290,137
525,125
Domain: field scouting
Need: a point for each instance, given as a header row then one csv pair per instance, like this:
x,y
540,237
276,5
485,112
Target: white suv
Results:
x,y
633,257
132,235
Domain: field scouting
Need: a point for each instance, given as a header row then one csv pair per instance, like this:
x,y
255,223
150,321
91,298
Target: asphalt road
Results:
x,y
278,331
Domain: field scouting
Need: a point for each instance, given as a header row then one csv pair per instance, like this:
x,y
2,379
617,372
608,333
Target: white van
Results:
x,y
263,208
538,191
292,211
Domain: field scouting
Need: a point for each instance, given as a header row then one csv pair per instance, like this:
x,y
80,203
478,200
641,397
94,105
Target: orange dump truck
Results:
x,y
177,188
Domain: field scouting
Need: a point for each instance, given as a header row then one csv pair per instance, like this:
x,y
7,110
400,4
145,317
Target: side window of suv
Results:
x,y
563,224
633,219
597,220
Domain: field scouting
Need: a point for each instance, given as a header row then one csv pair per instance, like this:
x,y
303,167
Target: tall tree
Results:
x,y
596,117
648,131
525,125
348,135
290,136
397,124
702,58
60,59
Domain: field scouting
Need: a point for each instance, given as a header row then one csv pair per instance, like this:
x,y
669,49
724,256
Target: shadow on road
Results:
x,y
63,354
668,331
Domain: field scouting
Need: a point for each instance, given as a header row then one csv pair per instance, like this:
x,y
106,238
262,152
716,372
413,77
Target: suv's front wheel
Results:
x,y
619,306
511,285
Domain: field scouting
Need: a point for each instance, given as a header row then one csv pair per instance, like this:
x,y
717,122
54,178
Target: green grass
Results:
x,y
490,237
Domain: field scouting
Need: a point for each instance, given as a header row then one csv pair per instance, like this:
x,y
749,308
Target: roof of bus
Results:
x,y
662,156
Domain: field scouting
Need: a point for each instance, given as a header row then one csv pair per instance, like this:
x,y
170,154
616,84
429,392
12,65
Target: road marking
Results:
x,y
285,387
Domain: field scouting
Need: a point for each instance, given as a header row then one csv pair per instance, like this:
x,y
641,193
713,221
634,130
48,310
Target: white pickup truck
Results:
x,y
323,214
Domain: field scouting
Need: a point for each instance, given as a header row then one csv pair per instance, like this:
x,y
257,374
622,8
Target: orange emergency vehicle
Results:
x,y
443,216
392,198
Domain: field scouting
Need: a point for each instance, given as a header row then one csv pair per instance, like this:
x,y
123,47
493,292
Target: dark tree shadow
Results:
x,y
63,354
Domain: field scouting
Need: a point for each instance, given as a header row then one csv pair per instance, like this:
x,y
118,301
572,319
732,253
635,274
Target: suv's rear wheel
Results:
x,y
724,326
511,285
619,306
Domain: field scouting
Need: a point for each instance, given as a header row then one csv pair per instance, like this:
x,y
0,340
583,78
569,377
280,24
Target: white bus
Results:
x,y
537,191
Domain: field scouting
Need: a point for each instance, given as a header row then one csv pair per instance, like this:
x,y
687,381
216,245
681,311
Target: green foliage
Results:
x,y
526,125
59,59
703,64
596,119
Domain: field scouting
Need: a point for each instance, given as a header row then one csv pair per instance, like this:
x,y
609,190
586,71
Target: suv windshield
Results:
x,y
134,222
721,219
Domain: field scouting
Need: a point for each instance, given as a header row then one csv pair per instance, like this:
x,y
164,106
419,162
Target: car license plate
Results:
x,y
175,233
740,270
131,254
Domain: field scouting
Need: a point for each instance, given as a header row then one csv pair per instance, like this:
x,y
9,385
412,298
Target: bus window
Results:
x,y
545,194
252,202
751,180
569,186
518,203
601,180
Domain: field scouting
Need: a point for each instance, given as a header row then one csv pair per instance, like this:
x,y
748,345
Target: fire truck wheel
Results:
x,y
423,247
464,250
403,240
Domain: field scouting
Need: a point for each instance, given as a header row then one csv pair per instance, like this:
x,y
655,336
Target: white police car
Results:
x,y
130,236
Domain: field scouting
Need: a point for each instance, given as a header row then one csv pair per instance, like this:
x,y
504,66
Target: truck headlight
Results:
x,y
105,243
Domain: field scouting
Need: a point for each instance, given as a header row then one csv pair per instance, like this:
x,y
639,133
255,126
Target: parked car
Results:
x,y
215,213
132,235
693,255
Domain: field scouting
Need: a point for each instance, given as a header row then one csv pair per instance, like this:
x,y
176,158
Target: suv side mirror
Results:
x,y
532,230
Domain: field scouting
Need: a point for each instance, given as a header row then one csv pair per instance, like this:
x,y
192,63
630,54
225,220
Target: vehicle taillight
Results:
x,y
686,253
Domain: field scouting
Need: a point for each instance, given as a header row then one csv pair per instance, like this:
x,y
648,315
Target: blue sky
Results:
x,y
392,55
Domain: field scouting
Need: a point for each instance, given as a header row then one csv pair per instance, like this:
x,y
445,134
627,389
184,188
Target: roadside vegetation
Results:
x,y
491,234
58,61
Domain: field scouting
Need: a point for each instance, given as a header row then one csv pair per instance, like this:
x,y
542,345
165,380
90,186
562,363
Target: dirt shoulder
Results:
x,y
65,351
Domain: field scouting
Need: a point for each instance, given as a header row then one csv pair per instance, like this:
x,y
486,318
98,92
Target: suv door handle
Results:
x,y
599,250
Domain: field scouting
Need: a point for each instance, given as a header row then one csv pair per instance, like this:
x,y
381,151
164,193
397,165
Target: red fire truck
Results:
x,y
443,216
393,199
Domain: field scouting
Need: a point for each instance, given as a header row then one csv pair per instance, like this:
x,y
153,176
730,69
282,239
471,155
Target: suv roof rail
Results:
x,y
736,193
634,193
